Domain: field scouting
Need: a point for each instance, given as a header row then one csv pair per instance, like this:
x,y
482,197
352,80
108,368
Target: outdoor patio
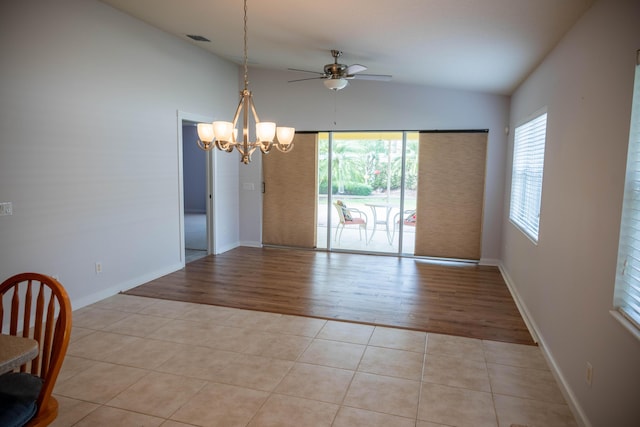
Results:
x,y
378,240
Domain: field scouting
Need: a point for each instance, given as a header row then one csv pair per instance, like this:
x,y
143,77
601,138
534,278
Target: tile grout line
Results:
x,y
424,365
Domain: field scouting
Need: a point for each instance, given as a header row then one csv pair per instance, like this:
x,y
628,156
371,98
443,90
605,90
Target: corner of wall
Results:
x,y
568,394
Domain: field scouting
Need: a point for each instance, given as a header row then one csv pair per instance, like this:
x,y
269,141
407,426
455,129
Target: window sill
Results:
x,y
626,323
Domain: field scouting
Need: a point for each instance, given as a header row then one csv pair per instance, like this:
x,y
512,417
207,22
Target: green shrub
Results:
x,y
357,189
350,188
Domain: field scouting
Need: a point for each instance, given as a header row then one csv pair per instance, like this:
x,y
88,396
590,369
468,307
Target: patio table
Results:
x,y
382,219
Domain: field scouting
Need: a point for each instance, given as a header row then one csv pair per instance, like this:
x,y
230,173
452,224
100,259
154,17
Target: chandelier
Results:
x,y
223,135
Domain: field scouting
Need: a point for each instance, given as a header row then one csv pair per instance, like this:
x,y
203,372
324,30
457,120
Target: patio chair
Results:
x,y
409,220
350,216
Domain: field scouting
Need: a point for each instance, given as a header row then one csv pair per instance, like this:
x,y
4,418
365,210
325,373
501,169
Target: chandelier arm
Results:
x,y
225,146
236,116
285,148
205,145
265,147
253,108
245,124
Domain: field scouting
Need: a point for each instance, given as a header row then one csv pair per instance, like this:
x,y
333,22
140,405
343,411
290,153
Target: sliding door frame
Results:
x,y
329,247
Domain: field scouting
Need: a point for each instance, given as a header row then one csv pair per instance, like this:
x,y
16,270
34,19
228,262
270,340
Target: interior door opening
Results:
x,y
196,196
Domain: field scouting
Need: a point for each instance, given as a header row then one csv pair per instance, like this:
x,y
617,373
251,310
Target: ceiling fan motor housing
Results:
x,y
335,70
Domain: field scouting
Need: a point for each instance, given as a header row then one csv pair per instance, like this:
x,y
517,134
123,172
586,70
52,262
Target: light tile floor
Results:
x,y
137,361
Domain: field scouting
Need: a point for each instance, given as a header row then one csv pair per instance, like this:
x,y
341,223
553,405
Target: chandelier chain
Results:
x,y
246,73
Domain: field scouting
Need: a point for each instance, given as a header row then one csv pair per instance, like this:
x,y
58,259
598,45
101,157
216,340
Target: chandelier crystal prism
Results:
x,y
223,135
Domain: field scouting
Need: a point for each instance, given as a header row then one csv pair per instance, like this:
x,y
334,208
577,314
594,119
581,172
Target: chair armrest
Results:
x,y
359,212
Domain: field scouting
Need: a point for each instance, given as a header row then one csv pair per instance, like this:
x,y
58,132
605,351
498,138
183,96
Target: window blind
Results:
x,y
526,181
290,199
449,201
627,287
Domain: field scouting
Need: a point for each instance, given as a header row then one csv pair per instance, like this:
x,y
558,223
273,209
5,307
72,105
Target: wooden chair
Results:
x,y
350,216
38,308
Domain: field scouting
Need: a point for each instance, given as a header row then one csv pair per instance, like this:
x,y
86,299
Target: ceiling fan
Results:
x,y
336,75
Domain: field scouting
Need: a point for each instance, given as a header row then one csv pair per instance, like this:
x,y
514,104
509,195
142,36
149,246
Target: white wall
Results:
x,y
566,281
89,143
367,105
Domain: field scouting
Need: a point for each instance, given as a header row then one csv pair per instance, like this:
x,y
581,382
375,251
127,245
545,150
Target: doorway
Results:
x,y
196,206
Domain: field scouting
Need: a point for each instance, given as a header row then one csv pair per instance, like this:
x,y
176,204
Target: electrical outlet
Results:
x,y
589,374
6,208
98,267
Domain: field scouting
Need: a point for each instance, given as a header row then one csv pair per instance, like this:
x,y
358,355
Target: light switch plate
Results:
x,y
6,208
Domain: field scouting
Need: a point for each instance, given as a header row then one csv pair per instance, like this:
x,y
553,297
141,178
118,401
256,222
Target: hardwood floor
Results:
x,y
461,299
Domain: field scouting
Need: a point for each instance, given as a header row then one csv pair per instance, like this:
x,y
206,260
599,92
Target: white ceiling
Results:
x,y
481,45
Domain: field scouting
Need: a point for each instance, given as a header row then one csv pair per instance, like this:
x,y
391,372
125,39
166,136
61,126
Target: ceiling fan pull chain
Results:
x,y
335,107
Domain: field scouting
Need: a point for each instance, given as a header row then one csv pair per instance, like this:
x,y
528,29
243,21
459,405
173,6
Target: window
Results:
x,y
627,289
526,180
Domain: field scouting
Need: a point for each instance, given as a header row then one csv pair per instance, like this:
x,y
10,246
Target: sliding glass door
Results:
x,y
367,191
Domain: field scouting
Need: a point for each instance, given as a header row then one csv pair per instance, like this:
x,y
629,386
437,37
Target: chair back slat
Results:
x,y
37,330
48,334
27,311
26,323
15,304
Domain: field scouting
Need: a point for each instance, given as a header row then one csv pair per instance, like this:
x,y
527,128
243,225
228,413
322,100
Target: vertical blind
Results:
x,y
526,181
289,202
449,202
627,288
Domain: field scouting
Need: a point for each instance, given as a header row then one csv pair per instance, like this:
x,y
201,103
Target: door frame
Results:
x,y
183,117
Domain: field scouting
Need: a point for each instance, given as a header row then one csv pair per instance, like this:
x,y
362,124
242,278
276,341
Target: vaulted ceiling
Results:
x,y
480,45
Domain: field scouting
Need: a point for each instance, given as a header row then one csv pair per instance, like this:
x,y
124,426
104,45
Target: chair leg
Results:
x,y
366,238
340,234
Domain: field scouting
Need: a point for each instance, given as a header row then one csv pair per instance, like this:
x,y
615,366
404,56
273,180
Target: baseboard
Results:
x,y
566,391
522,308
226,248
124,286
251,244
489,261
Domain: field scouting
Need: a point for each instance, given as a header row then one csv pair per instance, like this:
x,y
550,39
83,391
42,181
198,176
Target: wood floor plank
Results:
x,y
462,299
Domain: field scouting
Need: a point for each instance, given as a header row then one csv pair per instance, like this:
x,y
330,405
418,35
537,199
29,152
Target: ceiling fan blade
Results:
x,y
377,77
308,78
355,68
304,71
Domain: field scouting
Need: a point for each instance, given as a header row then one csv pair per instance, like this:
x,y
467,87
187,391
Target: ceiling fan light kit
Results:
x,y
224,135
335,84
